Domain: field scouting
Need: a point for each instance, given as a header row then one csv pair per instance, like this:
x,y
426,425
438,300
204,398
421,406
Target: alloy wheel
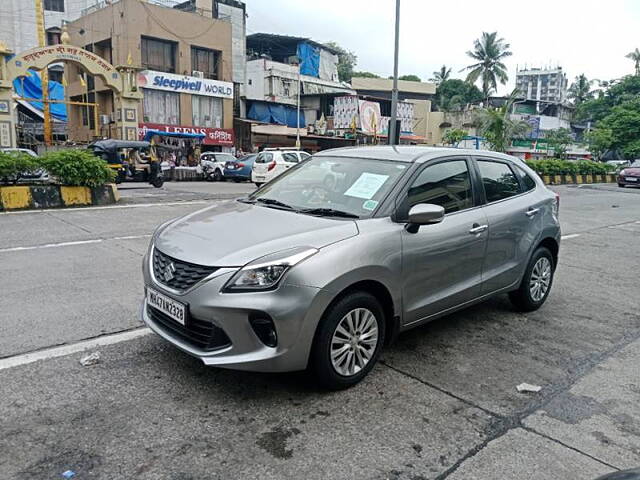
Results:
x,y
540,279
354,341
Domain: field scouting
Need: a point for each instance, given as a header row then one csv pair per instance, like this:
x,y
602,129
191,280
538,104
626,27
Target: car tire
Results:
x,y
621,185
258,184
536,282
217,176
339,364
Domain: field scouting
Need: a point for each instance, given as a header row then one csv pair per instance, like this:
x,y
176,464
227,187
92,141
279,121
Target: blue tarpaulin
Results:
x,y
33,89
309,56
275,113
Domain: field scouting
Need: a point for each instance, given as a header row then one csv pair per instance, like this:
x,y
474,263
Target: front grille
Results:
x,y
185,274
198,333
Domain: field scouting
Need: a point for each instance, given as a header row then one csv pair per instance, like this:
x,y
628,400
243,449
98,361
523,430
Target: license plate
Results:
x,y
631,179
259,179
166,305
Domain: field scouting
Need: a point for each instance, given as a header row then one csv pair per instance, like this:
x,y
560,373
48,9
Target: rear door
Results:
x,y
442,263
515,221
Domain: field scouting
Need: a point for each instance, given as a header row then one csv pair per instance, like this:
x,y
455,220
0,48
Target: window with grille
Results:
x,y
158,55
205,61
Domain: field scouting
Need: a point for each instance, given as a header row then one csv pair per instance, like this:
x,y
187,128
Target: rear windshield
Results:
x,y
264,157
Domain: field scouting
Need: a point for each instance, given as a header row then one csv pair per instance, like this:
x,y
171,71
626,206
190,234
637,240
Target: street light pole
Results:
x,y
298,112
394,92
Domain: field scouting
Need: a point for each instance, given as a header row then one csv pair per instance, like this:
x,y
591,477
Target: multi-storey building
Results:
x,y
542,85
185,52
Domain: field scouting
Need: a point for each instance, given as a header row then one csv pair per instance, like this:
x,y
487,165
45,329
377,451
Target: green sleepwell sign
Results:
x,y
539,144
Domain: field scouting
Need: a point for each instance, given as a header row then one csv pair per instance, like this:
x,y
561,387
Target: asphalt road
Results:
x,y
442,403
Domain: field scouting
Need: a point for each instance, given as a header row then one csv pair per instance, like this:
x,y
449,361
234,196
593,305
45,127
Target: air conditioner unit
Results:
x,y
198,74
105,119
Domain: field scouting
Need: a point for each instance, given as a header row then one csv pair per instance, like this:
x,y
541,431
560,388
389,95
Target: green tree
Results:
x,y
347,60
600,141
624,125
454,136
635,57
580,89
497,126
454,94
365,75
441,75
489,51
616,93
558,140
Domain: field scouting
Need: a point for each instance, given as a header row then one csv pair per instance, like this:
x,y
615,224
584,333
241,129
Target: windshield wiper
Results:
x,y
329,212
275,203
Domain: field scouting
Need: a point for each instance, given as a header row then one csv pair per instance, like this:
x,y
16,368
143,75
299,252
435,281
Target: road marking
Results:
x,y
567,237
63,350
113,207
70,244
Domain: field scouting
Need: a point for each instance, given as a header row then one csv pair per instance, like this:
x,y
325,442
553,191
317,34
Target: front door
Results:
x,y
442,263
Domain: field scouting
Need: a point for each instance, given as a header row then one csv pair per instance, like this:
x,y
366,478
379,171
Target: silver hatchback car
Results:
x,y
323,266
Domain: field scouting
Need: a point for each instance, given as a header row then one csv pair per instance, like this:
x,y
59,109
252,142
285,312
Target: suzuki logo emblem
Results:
x,y
168,272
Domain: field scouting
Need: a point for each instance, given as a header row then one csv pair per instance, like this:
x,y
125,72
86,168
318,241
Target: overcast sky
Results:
x,y
583,36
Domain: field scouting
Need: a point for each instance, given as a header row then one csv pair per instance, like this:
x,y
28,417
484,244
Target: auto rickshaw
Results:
x,y
131,160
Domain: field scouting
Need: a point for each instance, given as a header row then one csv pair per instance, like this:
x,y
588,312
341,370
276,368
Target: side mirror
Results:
x,y
424,214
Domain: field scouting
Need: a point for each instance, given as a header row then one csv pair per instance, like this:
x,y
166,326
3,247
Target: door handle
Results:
x,y
478,229
531,212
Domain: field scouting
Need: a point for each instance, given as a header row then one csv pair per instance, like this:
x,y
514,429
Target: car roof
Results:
x,y
407,153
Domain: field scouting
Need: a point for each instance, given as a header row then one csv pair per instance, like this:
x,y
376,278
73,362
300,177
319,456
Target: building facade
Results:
x,y
543,85
187,71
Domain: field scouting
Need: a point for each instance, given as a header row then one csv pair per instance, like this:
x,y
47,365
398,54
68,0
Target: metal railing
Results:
x,y
100,4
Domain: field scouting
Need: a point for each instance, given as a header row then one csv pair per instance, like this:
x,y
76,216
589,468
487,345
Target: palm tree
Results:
x,y
497,126
489,51
441,75
580,89
635,57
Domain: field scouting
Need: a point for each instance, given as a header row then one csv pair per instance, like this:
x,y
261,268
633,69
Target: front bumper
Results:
x,y
623,180
295,311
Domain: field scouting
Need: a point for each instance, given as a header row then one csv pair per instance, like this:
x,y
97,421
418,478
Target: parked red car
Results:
x,y
630,175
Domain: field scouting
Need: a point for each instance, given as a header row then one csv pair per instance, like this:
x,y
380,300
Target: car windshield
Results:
x,y
333,186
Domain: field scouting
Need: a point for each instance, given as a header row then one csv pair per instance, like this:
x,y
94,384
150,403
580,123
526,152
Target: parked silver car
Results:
x,y
305,273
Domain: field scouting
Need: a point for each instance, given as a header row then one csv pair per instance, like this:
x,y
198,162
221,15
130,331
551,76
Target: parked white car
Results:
x,y
272,162
212,164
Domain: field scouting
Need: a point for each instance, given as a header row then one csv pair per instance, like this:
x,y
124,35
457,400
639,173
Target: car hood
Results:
x,y
231,234
632,171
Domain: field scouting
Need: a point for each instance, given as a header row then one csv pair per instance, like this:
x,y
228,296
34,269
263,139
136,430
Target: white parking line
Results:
x,y
64,350
112,207
69,244
567,237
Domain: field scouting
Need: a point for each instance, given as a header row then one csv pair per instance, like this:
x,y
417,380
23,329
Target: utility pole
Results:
x,y
298,111
394,92
44,74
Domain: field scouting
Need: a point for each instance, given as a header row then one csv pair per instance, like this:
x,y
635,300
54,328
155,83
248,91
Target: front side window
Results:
x,y
54,5
447,184
158,55
333,186
498,180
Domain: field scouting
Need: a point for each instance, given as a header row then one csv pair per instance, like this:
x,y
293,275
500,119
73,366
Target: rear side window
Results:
x,y
264,157
290,157
447,184
499,180
529,183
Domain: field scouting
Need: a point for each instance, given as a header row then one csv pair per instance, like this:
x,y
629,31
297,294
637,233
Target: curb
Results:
x,y
578,179
27,197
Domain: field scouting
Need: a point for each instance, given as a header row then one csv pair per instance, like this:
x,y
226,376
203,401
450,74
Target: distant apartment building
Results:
x,y
542,85
186,57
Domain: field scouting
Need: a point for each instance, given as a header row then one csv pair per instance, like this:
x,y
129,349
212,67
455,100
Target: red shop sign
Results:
x,y
214,136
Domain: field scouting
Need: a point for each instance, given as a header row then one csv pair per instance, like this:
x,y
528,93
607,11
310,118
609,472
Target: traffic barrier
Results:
x,y
25,197
578,179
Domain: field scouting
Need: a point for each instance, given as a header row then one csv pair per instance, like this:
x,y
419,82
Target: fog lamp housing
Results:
x,y
264,328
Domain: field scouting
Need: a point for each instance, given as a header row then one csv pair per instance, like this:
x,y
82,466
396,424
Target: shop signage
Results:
x,y
184,84
213,136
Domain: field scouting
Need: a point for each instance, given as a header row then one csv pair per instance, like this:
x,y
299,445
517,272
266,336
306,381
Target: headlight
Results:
x,y
266,272
622,172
